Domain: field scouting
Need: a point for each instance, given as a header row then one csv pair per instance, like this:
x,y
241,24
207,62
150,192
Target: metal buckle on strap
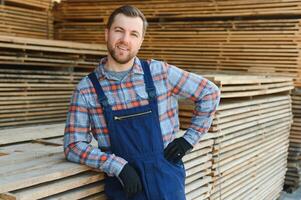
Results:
x,y
103,101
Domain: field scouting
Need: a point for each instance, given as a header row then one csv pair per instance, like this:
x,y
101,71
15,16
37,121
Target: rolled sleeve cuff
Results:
x,y
114,165
192,136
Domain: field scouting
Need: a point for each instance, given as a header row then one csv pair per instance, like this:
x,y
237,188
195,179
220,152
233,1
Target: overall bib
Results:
x,y
135,135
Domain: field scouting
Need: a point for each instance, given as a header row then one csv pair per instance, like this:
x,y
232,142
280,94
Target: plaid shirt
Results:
x,y
85,117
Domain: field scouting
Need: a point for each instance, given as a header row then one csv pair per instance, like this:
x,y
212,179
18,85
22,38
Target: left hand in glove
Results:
x,y
175,150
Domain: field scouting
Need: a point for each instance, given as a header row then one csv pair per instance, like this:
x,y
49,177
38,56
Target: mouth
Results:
x,y
123,48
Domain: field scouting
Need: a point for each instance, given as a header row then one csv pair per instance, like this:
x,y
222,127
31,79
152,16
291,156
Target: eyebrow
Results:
x,y
119,27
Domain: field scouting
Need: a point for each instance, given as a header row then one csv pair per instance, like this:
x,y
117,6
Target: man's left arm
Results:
x,y
205,95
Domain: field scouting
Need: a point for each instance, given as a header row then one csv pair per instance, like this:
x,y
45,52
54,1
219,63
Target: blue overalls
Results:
x,y
135,135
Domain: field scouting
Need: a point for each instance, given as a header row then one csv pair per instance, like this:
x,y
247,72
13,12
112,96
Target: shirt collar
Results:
x,y
136,69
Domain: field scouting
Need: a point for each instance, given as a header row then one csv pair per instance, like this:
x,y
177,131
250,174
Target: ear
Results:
x,y
106,34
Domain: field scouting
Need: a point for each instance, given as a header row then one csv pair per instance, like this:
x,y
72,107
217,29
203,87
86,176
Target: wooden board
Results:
x,y
15,135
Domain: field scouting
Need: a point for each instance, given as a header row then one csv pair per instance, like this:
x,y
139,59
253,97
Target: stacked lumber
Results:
x,y
35,96
31,18
48,53
37,4
37,169
265,46
168,9
250,132
293,175
37,77
46,174
198,170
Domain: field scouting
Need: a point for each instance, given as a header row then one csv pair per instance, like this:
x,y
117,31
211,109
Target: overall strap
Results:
x,y
149,83
103,100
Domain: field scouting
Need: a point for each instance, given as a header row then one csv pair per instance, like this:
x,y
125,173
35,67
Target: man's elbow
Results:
x,y
67,152
214,92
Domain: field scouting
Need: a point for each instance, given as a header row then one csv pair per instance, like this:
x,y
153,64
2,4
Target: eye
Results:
x,y
135,35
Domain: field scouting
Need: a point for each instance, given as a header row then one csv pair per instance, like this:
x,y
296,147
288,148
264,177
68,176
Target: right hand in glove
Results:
x,y
131,180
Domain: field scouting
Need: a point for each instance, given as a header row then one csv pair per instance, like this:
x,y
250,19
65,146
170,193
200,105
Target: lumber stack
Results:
x,y
31,18
35,96
266,46
250,132
168,9
48,53
37,169
35,175
37,78
198,170
293,175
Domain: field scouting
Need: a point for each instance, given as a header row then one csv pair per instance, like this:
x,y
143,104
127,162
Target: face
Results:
x,y
124,38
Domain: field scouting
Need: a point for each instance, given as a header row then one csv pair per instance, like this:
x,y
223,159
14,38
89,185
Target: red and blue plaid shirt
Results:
x,y
85,117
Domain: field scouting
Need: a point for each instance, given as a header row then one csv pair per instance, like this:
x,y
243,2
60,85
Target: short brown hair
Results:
x,y
129,11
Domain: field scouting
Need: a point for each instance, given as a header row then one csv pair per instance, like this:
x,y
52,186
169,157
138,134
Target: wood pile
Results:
x,y
35,96
37,78
293,175
198,170
266,46
37,169
46,174
31,18
250,132
49,53
169,9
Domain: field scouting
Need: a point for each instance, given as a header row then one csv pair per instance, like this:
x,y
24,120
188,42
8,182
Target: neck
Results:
x,y
112,65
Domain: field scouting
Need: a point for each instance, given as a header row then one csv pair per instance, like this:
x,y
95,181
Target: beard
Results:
x,y
120,59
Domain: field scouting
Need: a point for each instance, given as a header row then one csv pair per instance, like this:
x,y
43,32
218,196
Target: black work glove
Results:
x,y
175,150
131,180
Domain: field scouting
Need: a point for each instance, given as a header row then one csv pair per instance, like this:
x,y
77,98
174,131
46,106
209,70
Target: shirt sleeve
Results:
x,y
77,139
200,90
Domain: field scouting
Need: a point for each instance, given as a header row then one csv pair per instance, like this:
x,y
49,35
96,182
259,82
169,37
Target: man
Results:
x,y
130,107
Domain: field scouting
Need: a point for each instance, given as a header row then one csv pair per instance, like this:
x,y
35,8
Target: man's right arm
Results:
x,y
77,139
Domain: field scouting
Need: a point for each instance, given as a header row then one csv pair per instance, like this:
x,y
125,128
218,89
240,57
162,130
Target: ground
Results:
x,y
296,195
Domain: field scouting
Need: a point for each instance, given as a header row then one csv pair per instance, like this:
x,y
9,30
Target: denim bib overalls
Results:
x,y
135,135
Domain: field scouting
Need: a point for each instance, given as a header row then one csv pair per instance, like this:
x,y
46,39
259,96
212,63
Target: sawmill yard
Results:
x,y
250,49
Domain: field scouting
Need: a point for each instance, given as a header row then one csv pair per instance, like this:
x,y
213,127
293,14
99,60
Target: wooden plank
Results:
x,y
7,196
30,133
51,172
79,193
58,186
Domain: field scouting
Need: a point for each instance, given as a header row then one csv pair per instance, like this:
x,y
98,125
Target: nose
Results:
x,y
125,37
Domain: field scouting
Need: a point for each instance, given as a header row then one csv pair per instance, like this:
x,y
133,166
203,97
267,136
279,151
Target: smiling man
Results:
x,y
130,107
